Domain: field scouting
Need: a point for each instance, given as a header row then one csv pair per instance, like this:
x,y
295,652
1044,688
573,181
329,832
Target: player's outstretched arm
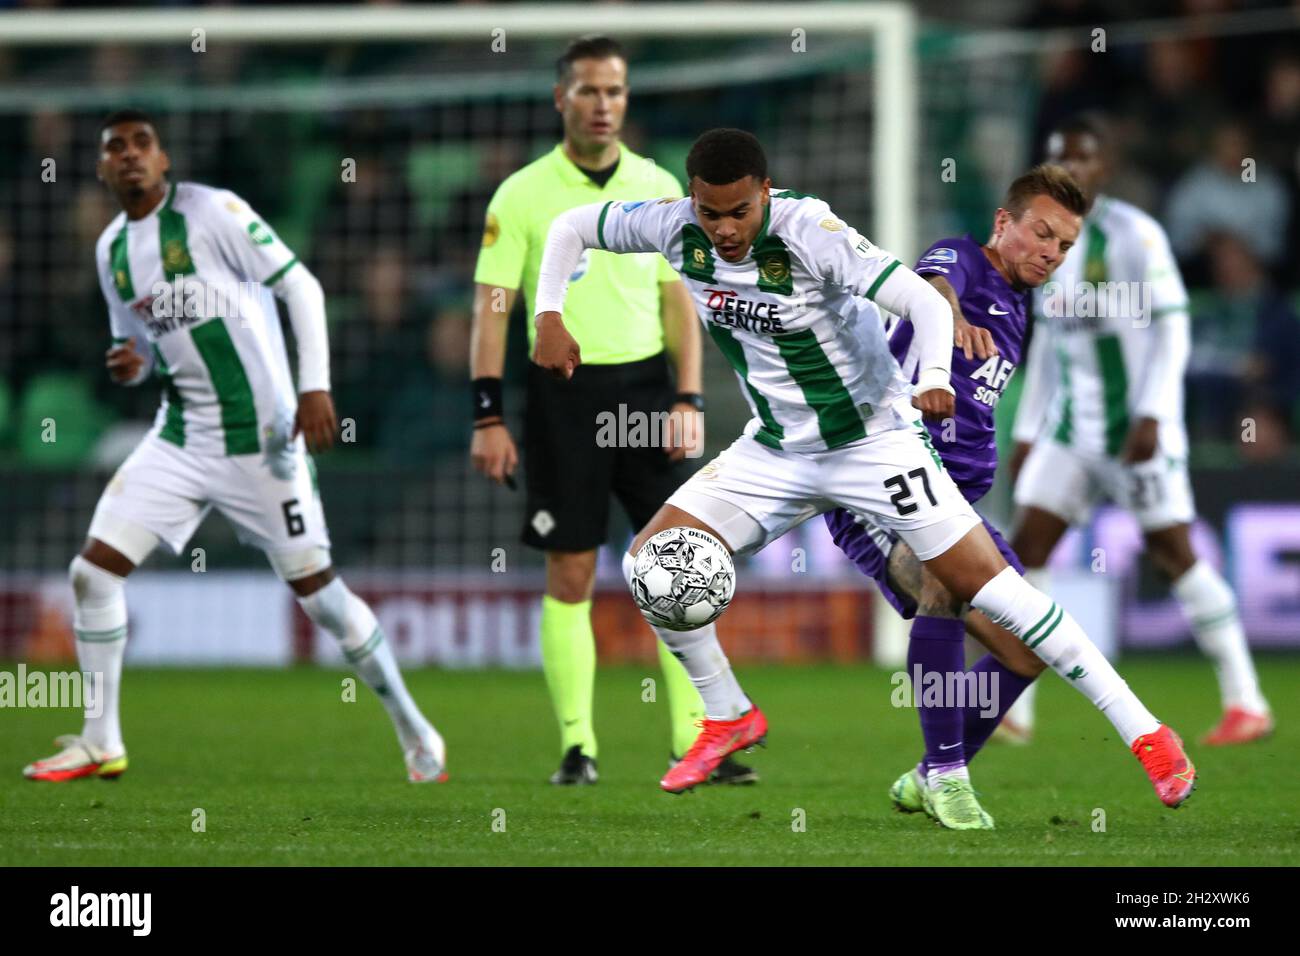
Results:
x,y
846,259
252,249
556,350
609,226
974,341
304,300
905,293
570,234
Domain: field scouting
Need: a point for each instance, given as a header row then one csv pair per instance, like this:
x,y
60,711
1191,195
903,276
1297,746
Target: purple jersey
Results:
x,y
967,444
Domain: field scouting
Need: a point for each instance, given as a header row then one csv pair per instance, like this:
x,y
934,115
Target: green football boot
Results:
x,y
953,805
906,792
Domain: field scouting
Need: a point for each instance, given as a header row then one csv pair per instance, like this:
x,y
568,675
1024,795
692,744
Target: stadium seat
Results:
x,y
436,172
58,420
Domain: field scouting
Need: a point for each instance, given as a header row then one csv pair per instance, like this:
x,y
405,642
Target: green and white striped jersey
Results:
x,y
795,318
1104,349
191,282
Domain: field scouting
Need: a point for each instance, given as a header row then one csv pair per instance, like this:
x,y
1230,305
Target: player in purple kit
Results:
x,y
988,287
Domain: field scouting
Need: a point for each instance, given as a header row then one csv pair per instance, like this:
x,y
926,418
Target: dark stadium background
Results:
x,y
1193,86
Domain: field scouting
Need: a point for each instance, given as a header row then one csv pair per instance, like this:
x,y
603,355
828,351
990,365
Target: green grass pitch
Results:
x,y
287,773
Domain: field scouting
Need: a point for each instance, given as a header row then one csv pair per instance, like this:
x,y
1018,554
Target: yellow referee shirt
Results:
x,y
612,307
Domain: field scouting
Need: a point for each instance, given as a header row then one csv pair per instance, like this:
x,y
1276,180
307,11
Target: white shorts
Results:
x,y
1067,483
894,478
169,491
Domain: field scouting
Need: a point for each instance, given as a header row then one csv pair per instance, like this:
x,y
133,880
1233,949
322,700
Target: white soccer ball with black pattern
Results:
x,y
683,579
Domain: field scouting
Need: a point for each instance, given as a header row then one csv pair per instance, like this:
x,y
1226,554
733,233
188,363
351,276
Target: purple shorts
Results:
x,y
868,547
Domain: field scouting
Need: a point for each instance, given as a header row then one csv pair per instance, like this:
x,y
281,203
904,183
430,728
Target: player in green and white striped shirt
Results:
x,y
1102,409
190,274
786,289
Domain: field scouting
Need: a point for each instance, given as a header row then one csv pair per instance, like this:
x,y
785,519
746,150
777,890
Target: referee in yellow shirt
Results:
x,y
630,315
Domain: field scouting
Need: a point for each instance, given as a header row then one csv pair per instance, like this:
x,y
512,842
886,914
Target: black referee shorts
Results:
x,y
569,476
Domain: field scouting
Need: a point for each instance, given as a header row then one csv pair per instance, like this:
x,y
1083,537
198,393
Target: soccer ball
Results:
x,y
683,579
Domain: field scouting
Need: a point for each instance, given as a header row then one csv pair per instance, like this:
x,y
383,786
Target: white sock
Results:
x,y
99,621
1012,602
1210,607
346,617
1021,712
705,663
933,775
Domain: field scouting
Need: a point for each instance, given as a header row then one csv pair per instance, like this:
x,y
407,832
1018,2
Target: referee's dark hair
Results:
x,y
723,156
129,116
590,47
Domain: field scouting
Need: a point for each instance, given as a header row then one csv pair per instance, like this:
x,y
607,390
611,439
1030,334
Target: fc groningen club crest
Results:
x,y
176,258
774,268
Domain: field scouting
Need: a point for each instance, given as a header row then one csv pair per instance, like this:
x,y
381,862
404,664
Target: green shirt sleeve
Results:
x,y
504,251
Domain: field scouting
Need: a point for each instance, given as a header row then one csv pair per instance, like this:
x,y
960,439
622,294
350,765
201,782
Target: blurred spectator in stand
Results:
x,y
1231,190
1072,80
1271,385
1245,345
1279,125
8,335
1171,103
36,211
1279,145
457,251
400,376
1056,14
8,304
374,210
374,347
1072,83
421,424
117,65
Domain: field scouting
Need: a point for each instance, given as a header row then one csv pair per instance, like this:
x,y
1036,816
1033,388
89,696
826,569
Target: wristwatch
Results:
x,y
693,399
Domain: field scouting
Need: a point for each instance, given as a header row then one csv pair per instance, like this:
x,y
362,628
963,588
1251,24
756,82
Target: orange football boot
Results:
x,y
78,758
718,739
1166,763
1239,726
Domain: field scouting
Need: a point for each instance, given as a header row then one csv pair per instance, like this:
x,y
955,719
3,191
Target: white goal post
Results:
x,y
889,26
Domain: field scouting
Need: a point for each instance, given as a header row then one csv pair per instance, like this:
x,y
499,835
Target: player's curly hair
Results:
x,y
723,156
129,116
1046,180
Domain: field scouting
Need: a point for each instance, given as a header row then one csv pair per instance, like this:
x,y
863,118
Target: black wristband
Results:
x,y
693,399
487,398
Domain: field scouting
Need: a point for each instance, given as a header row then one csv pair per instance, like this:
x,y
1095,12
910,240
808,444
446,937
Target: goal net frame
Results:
x,y
890,177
